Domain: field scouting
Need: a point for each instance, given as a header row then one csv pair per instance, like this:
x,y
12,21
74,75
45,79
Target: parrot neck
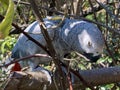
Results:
x,y
60,45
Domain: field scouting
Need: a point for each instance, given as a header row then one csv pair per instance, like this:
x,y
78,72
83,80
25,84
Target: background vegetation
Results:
x,y
106,16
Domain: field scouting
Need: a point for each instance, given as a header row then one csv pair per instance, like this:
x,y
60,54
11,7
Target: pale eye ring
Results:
x,y
89,43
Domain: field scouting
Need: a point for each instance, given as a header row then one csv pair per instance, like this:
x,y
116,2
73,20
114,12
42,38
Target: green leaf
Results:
x,y
6,2
5,25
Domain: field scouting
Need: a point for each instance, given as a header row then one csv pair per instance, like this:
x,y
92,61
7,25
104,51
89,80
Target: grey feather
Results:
x,y
73,35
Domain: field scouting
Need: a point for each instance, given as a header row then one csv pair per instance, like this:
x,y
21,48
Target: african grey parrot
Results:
x,y
73,35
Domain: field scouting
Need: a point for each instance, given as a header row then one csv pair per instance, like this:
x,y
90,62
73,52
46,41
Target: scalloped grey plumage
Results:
x,y
73,35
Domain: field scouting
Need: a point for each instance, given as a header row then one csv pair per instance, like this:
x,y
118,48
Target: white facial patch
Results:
x,y
83,40
89,44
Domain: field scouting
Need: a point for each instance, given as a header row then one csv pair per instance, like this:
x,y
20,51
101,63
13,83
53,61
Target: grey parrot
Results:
x,y
73,35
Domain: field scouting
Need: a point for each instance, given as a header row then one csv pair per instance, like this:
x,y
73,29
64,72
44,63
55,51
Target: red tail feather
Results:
x,y
16,67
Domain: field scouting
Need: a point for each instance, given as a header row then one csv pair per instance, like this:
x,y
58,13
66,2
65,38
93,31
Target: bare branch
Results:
x,y
85,13
93,10
38,80
52,51
25,58
113,30
109,12
96,8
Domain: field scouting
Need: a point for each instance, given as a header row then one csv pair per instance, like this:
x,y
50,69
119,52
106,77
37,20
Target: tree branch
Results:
x,y
52,51
25,58
85,13
38,80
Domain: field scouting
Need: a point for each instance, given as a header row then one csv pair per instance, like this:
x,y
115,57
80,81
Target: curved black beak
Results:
x,y
91,57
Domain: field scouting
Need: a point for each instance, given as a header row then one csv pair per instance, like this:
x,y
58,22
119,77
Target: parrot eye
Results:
x,y
97,52
89,43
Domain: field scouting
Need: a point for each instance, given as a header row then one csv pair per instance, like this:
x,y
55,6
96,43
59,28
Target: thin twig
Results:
x,y
69,77
93,10
79,17
79,76
109,12
26,58
84,13
52,51
70,81
82,56
113,30
59,24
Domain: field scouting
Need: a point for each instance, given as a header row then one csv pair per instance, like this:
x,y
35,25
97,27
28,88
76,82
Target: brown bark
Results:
x,y
52,51
39,81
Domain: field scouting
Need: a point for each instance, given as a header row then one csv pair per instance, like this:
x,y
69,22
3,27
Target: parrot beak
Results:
x,y
91,57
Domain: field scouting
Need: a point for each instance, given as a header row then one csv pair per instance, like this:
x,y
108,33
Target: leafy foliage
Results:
x,y
110,56
5,25
7,44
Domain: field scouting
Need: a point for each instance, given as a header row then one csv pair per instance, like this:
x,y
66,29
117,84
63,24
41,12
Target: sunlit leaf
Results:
x,y
5,25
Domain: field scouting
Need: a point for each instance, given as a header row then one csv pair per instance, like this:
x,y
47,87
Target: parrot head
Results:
x,y
92,43
84,38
